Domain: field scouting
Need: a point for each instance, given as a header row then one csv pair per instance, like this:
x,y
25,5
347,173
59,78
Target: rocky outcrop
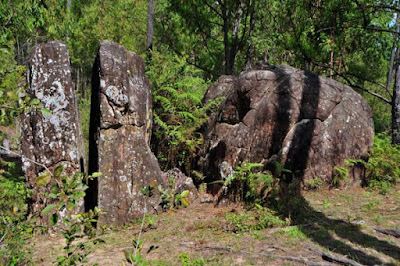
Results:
x,y
309,124
120,128
50,138
180,182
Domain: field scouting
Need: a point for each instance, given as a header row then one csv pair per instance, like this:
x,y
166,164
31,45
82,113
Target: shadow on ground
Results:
x,y
332,234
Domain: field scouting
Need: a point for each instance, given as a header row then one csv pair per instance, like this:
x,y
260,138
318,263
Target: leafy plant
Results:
x,y
15,229
314,183
341,173
256,219
170,199
67,193
251,186
187,261
382,168
179,113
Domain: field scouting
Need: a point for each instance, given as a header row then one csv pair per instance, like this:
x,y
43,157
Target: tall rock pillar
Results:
x,y
120,129
53,138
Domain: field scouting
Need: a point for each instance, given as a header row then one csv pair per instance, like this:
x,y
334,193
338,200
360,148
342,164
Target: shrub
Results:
x,y
15,230
251,186
383,169
258,218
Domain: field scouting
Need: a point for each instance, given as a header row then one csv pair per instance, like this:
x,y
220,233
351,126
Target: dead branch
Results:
x,y
229,249
335,259
291,258
391,232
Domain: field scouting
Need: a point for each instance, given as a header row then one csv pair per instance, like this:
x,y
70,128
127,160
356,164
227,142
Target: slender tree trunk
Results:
x,y
68,15
395,50
396,107
150,24
228,69
235,38
250,50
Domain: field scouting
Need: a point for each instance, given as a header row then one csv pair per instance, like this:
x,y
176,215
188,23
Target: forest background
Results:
x,y
188,45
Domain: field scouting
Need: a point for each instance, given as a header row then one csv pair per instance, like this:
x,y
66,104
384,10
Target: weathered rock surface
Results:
x,y
55,138
120,129
181,182
308,123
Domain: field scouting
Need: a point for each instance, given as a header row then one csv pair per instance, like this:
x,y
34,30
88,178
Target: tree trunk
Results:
x,y
395,51
150,24
228,68
396,107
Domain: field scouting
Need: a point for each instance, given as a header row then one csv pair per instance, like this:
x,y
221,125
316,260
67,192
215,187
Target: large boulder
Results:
x,y
306,123
54,138
120,129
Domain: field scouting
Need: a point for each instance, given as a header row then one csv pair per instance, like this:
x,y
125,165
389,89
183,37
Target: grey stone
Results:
x,y
55,138
309,124
120,128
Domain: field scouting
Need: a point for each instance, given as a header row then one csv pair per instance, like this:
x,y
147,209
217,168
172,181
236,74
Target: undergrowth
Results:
x,y
178,90
258,218
14,228
383,169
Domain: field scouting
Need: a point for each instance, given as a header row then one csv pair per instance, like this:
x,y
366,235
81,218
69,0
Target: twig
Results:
x,y
25,158
391,232
141,227
8,229
335,259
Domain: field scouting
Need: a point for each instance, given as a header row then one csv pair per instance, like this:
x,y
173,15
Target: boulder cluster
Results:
x,y
275,115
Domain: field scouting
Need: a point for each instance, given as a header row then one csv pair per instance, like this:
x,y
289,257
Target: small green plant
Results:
x,y
256,219
251,186
314,183
187,261
170,199
340,174
134,255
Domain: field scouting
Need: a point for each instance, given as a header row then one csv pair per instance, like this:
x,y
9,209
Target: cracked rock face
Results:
x,y
119,136
308,123
54,138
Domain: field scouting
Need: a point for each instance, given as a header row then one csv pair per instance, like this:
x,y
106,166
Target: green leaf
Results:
x,y
185,193
43,180
54,219
185,202
48,208
58,171
45,111
35,102
96,174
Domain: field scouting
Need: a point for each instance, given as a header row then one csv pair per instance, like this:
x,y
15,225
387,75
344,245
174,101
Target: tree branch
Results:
x,y
353,85
25,158
380,7
213,9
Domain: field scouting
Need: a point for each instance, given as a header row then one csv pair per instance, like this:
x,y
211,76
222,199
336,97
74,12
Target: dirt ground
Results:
x,y
338,222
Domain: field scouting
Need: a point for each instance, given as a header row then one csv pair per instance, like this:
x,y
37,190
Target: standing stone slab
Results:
x,y
119,136
55,138
307,123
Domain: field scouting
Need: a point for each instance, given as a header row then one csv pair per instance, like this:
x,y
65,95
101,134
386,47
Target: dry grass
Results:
x,y
339,221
